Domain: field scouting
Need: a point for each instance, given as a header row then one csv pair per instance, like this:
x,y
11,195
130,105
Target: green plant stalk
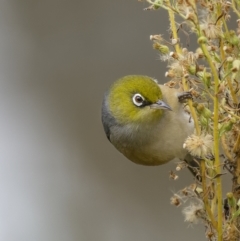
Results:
x,y
223,57
173,27
235,9
216,141
205,197
194,116
226,27
167,7
179,51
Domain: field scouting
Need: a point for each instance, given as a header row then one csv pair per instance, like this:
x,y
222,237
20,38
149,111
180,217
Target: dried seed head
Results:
x,y
180,166
171,83
157,37
175,41
195,93
173,176
175,200
185,191
194,212
229,59
228,3
209,235
175,68
212,48
199,52
174,55
199,146
170,74
227,49
193,187
210,29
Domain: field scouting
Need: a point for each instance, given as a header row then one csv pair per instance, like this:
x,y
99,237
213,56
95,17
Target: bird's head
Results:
x,y
136,99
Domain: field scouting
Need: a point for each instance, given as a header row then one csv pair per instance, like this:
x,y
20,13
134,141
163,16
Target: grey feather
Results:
x,y
107,119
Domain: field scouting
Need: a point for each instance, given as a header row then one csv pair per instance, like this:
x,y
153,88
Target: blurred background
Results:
x,y
60,178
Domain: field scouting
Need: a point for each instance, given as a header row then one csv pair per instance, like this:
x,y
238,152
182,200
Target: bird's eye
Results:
x,y
138,99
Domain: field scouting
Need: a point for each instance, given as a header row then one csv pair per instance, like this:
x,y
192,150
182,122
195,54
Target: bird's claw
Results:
x,y
182,97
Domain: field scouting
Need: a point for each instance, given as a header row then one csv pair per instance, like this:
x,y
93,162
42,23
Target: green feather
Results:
x,y
122,106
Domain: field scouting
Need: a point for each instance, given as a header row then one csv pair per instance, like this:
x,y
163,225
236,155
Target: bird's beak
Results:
x,y
160,105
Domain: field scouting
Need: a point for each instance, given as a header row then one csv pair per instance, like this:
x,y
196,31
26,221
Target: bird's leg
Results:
x,y
182,97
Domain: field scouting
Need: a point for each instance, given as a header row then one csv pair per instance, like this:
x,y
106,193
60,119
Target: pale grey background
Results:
x,y
60,179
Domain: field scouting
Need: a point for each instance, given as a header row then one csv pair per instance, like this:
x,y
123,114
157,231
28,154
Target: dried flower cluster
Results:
x,y
199,146
211,73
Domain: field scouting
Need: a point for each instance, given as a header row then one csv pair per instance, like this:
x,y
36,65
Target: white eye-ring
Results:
x,y
138,100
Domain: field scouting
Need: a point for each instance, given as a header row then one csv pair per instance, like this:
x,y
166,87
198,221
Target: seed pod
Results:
x,y
227,126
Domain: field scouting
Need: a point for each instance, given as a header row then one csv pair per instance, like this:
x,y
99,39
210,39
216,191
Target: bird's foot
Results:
x,y
182,97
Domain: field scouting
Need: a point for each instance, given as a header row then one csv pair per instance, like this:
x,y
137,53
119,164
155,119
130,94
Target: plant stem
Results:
x,y
194,116
234,8
216,140
179,51
205,197
173,28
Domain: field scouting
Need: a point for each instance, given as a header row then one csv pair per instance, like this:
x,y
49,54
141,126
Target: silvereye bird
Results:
x,y
145,121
